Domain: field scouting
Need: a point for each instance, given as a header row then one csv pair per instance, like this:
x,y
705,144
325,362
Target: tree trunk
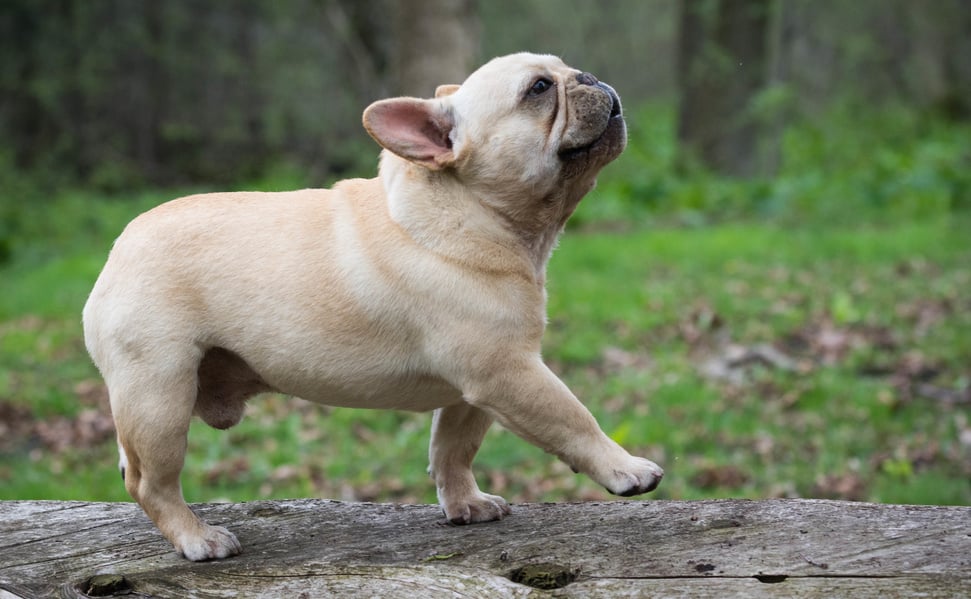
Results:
x,y
955,102
723,64
437,42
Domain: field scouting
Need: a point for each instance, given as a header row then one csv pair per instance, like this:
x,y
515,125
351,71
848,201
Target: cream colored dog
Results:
x,y
422,289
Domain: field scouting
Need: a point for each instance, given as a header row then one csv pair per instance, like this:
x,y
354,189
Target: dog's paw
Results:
x,y
478,507
214,542
638,476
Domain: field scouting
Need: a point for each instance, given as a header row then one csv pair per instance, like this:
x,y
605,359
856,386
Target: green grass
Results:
x,y
676,298
853,261
634,317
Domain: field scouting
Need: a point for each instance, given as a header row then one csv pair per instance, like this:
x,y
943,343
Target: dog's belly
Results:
x,y
418,394
226,376
226,380
421,396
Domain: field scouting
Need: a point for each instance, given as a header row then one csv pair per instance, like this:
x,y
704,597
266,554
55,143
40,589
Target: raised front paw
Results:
x,y
475,507
637,476
210,542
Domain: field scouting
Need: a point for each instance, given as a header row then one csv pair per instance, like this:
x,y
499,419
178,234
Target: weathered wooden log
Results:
x,y
319,548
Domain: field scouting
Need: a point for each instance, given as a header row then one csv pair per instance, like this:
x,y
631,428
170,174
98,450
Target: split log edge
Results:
x,y
320,548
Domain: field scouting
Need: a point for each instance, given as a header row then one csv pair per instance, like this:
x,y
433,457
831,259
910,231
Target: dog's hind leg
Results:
x,y
152,411
457,432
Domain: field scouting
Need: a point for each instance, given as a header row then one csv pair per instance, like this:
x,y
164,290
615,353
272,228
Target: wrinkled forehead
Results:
x,y
514,73
520,65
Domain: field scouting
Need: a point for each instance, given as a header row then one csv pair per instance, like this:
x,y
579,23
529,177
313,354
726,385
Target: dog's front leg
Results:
x,y
529,400
457,432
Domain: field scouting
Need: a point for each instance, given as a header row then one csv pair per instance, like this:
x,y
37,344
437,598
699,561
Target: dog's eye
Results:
x,y
539,86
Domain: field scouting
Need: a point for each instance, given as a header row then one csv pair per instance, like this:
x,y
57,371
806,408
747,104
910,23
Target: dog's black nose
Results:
x,y
586,79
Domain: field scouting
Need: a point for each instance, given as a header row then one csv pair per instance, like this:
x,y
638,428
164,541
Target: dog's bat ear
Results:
x,y
446,90
417,130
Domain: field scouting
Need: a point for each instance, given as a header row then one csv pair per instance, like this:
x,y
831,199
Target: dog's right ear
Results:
x,y
417,130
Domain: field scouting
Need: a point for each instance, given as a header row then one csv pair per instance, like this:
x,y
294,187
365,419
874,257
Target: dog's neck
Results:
x,y
456,221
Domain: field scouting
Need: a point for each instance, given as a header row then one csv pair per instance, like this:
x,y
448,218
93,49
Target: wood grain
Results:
x,y
315,548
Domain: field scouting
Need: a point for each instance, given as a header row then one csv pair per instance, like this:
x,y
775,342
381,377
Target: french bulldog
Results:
x,y
421,289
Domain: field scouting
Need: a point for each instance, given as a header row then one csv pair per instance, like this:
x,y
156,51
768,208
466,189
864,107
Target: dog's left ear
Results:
x,y
417,130
446,90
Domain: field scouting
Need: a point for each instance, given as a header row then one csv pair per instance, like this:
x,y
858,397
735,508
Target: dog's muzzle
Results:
x,y
614,134
588,79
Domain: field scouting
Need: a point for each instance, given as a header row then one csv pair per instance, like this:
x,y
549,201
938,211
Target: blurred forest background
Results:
x,y
116,94
768,292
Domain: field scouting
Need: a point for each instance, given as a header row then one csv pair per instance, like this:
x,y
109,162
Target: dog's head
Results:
x,y
525,126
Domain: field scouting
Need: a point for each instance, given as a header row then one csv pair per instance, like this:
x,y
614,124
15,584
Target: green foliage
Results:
x,y
839,422
44,224
117,95
853,261
633,320
854,164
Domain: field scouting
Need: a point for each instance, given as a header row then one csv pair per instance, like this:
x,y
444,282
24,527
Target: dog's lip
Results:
x,y
571,153
616,113
615,108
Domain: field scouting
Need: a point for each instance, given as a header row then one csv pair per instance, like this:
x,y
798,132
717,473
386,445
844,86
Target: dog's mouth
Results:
x,y
614,126
615,110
